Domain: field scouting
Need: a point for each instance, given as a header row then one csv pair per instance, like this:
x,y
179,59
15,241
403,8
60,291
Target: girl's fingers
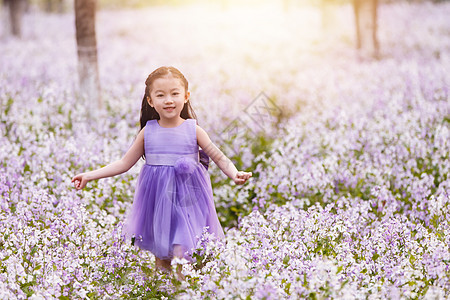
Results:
x,y
247,175
244,175
81,184
76,177
78,182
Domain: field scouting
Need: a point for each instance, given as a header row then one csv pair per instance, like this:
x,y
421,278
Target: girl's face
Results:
x,y
168,96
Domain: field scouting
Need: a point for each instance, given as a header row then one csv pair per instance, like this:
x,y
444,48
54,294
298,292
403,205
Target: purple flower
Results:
x,y
184,165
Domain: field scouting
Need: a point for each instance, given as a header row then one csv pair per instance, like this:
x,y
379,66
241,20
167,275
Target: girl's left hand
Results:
x,y
242,177
80,181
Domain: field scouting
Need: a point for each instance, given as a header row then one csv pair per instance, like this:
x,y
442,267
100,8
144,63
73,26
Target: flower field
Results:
x,y
350,195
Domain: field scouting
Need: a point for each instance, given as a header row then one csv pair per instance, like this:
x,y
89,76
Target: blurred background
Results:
x,y
296,51
63,5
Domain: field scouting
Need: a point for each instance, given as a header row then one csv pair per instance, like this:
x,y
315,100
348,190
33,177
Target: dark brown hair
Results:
x,y
148,112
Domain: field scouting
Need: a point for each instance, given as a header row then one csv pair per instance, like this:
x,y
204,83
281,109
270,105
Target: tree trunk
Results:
x,y
87,50
366,26
16,10
54,6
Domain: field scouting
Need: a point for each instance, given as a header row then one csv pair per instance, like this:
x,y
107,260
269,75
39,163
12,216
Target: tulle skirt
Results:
x,y
172,209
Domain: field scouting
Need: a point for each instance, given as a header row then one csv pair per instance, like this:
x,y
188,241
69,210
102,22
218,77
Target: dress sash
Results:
x,y
168,159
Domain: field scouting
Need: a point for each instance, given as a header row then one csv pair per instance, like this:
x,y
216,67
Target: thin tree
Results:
x,y
87,50
366,26
54,6
16,10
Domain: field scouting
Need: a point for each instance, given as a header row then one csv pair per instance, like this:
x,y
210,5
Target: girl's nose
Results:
x,y
168,100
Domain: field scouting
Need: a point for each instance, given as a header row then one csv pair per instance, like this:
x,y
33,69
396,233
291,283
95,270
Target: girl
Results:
x,y
173,199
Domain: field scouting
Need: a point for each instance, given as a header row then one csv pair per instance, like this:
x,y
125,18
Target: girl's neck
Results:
x,y
170,123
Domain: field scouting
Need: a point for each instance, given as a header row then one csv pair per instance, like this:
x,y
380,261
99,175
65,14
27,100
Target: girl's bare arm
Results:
x,y
223,162
120,166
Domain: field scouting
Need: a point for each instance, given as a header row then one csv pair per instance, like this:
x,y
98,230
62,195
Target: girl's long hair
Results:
x,y
148,112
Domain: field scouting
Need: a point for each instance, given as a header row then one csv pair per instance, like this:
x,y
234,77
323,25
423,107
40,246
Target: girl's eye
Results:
x,y
159,95
175,94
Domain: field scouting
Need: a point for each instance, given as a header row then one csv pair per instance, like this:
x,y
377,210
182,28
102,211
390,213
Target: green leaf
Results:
x,y
38,267
287,288
33,251
286,260
26,168
8,105
375,256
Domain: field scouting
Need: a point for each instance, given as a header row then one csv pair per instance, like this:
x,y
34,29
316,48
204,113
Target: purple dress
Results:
x,y
173,201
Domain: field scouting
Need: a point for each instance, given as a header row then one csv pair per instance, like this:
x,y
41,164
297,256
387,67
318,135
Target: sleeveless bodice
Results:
x,y
163,146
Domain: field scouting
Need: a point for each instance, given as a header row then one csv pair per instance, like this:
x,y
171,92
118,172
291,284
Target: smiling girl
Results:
x,y
173,201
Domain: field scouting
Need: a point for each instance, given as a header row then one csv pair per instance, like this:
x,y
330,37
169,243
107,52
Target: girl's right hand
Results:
x,y
80,181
